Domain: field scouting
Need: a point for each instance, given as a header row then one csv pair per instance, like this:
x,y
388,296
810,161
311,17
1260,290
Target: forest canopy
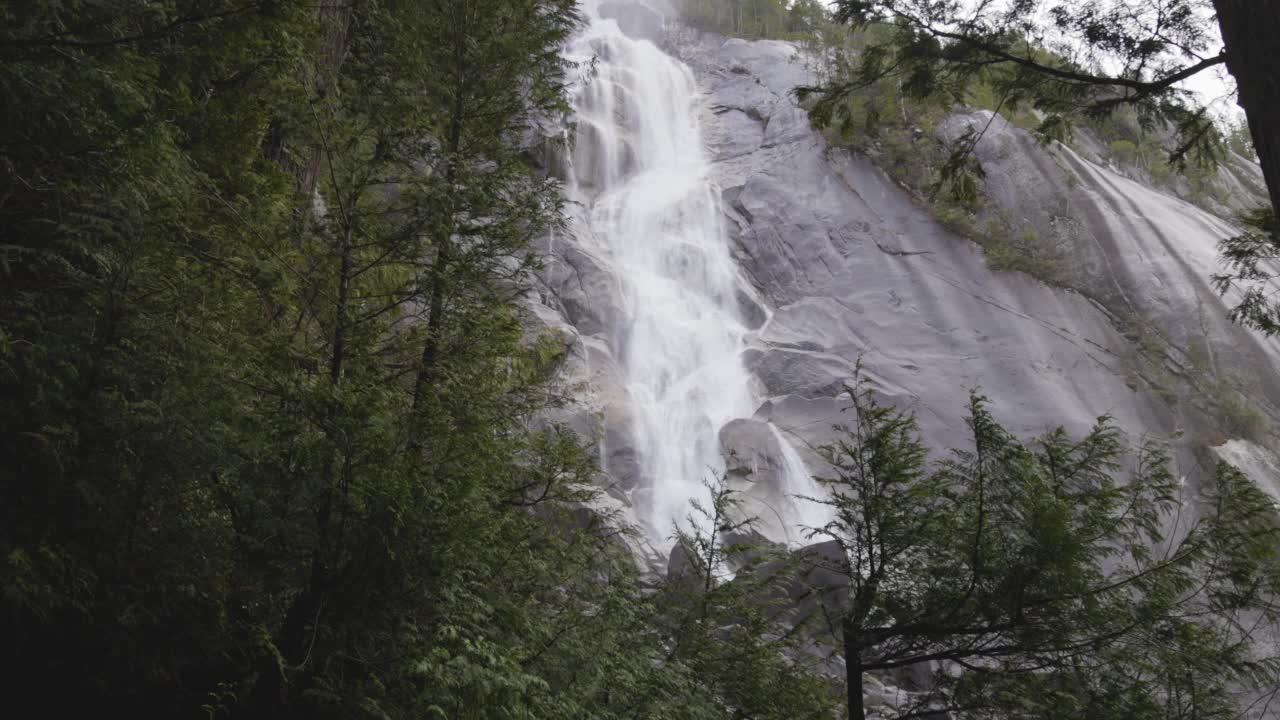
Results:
x,y
274,439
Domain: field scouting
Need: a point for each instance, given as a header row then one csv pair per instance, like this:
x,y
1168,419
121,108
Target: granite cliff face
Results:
x,y
829,261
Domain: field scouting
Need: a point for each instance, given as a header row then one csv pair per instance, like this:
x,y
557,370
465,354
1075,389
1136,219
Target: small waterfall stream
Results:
x,y
640,168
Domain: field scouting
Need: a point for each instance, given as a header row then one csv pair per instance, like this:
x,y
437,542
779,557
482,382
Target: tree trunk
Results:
x,y
1249,32
338,356
269,697
440,268
335,26
335,23
853,671
435,327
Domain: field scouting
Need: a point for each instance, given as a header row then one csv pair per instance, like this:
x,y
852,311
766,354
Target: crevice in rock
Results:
x,y
900,253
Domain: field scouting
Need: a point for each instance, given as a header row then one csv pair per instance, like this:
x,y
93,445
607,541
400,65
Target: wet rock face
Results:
x,y
752,450
755,467
852,268
583,288
838,264
1135,250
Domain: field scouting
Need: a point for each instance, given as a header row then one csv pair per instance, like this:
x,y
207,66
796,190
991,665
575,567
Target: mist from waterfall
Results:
x,y
641,171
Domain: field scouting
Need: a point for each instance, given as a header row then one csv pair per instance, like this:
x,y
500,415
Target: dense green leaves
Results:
x,y
790,19
218,493
1247,259
269,441
730,619
1061,578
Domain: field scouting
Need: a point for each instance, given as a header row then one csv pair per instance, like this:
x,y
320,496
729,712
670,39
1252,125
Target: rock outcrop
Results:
x,y
854,269
852,266
838,263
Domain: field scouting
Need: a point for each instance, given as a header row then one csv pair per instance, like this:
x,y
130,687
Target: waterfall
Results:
x,y
652,214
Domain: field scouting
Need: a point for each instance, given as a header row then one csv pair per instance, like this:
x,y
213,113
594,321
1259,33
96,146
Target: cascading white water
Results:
x,y
640,168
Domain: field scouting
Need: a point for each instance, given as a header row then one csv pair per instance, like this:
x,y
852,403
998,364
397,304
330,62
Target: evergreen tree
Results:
x,y
806,17
225,485
135,203
1035,581
745,18
730,616
271,446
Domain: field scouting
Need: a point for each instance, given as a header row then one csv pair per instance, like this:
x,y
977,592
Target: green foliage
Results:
x,y
1057,578
1146,146
1238,415
773,19
227,486
1240,140
1024,253
1124,150
726,610
270,447
1247,276
138,210
897,128
806,17
1241,416
999,47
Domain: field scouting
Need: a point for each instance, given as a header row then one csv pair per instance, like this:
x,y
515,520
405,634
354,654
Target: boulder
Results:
x,y
787,371
756,466
621,459
751,451
586,290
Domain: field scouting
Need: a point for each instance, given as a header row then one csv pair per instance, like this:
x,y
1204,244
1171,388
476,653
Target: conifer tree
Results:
x,y
730,616
1042,579
219,492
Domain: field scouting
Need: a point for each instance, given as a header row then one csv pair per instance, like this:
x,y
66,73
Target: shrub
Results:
x,y
1124,151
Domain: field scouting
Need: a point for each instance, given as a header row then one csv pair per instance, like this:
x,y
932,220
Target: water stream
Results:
x,y
640,168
